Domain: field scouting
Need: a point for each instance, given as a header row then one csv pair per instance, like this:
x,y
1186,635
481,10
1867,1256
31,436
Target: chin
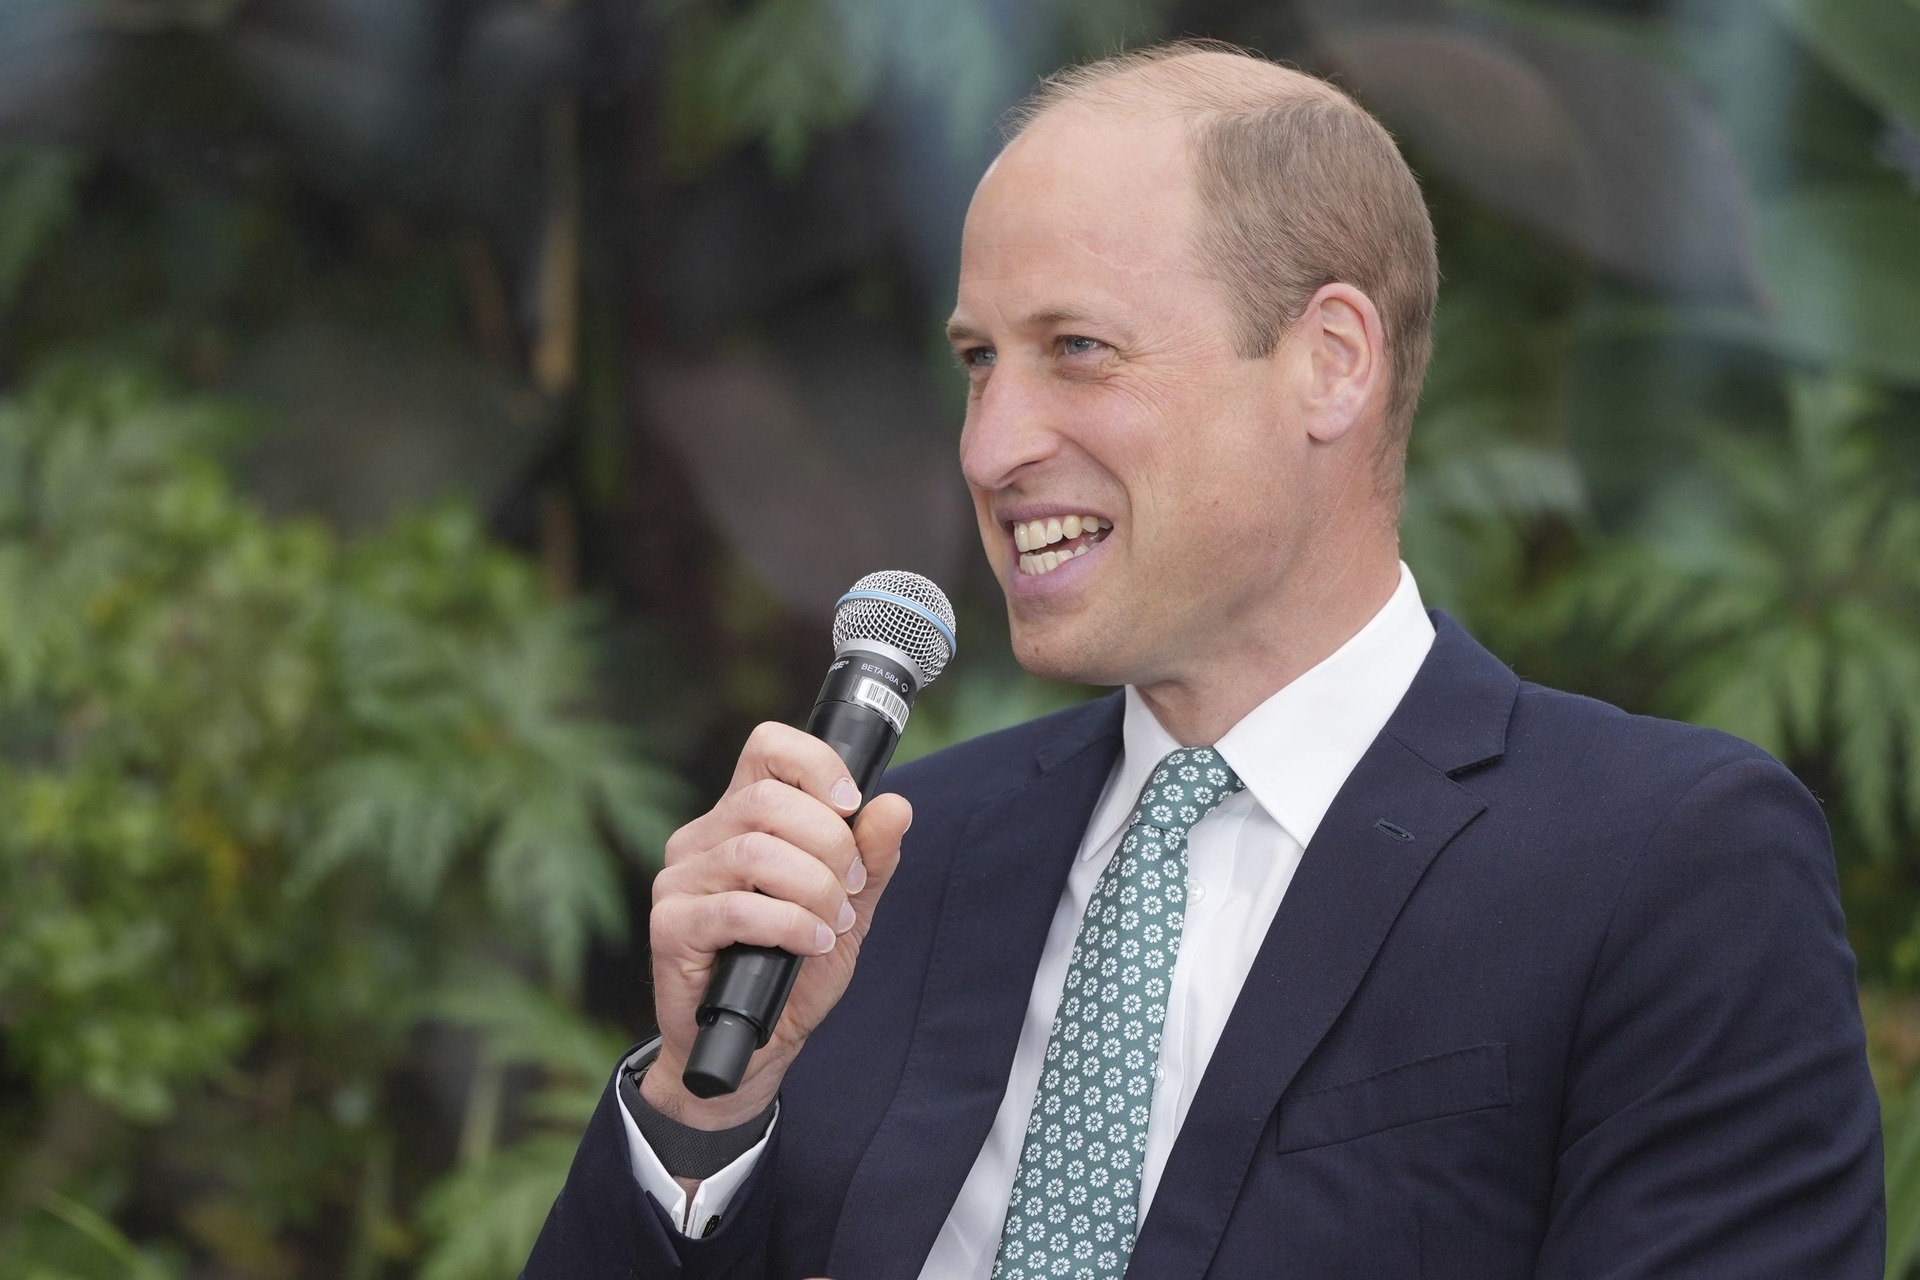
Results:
x,y
1053,650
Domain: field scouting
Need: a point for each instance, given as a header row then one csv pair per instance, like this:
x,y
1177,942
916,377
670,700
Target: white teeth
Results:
x,y
1030,537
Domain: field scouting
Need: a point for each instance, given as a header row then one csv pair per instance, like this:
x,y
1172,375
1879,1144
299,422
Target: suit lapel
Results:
x,y
1008,871
1351,884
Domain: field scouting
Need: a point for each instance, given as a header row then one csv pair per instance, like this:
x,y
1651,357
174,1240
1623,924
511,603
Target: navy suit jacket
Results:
x,y
1555,992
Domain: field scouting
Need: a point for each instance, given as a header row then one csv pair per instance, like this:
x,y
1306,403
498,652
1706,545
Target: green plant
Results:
x,y
267,790
1776,593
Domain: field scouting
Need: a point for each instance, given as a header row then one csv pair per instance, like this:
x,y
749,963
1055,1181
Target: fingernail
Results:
x,y
845,795
846,918
856,876
822,939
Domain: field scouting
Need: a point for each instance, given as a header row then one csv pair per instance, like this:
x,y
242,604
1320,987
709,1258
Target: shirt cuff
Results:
x,y
700,1214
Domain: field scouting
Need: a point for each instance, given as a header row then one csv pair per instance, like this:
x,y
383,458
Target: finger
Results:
x,y
697,926
775,807
781,809
878,833
761,863
800,760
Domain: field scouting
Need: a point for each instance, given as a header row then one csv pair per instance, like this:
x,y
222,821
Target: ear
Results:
x,y
1343,349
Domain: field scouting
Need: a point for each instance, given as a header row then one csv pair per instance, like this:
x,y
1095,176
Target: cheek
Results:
x,y
1207,492
990,532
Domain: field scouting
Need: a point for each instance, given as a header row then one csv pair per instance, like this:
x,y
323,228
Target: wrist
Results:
x,y
688,1154
661,1088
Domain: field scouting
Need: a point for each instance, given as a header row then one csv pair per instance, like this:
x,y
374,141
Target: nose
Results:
x,y
1008,429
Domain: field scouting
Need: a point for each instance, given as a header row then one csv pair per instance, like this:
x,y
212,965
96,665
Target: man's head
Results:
x,y
1195,298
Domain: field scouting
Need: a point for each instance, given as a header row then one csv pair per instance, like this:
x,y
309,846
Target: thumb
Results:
x,y
877,832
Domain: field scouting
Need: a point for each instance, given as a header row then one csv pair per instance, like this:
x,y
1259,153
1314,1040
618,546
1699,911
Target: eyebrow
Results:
x,y
959,331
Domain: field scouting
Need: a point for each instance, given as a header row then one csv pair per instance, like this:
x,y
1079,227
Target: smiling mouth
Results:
x,y
1045,545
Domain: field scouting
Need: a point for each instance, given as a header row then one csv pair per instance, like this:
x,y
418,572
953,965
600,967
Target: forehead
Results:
x,y
1093,202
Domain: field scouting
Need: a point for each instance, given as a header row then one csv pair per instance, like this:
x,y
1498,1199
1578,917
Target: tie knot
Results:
x,y
1184,788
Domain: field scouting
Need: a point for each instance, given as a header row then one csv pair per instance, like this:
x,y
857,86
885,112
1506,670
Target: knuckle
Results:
x,y
667,920
765,796
668,883
676,847
733,913
747,854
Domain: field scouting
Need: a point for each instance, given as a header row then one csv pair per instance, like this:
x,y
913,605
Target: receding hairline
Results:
x,y
1272,147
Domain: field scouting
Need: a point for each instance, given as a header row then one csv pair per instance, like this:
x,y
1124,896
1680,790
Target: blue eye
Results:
x,y
977,357
1075,345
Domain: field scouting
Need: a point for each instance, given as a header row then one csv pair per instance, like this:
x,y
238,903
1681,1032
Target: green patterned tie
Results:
x,y
1076,1198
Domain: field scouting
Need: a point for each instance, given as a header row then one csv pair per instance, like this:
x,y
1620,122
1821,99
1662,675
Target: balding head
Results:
x,y
1188,77
1298,187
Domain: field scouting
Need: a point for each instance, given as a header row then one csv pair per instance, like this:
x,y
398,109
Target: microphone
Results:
x,y
893,634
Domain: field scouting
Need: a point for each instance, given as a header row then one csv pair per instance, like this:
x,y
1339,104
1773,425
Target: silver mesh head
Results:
x,y
899,609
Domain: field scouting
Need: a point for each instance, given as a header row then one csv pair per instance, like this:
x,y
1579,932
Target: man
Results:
x,y
1327,949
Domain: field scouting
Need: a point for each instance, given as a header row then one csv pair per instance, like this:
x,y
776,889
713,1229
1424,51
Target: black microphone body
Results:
x,y
860,713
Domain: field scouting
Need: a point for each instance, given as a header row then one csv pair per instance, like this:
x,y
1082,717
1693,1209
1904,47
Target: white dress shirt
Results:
x,y
1294,752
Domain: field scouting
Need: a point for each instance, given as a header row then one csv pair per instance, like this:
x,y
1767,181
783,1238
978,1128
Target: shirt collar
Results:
x,y
1295,750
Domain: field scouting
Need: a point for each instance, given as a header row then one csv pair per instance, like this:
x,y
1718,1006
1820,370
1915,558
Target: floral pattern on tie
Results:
x,y
1076,1197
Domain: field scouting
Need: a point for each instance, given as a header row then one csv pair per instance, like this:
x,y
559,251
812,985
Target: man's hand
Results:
x,y
775,864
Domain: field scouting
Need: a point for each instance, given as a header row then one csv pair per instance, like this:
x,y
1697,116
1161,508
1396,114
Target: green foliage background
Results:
x,y
338,742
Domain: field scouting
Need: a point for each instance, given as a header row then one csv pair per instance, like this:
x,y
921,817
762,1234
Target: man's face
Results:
x,y
1104,383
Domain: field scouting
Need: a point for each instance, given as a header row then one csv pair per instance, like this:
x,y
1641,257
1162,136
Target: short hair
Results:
x,y
1299,187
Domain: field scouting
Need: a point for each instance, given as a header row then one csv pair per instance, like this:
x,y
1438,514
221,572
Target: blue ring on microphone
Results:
x,y
913,606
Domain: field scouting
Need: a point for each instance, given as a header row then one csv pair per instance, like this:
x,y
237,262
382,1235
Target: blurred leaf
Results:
x,y
1845,266
135,1263
521,1024
1873,44
201,707
36,201
468,744
1781,603
782,72
779,71
1487,466
487,1216
1602,151
484,1217
1901,1122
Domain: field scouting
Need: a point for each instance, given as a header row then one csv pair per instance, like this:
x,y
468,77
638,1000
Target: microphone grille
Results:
x,y
903,610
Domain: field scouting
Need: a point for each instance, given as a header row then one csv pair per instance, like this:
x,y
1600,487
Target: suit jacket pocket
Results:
x,y
1446,1084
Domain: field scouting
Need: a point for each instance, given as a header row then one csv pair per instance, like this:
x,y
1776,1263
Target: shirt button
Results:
x,y
1196,892
1159,1074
